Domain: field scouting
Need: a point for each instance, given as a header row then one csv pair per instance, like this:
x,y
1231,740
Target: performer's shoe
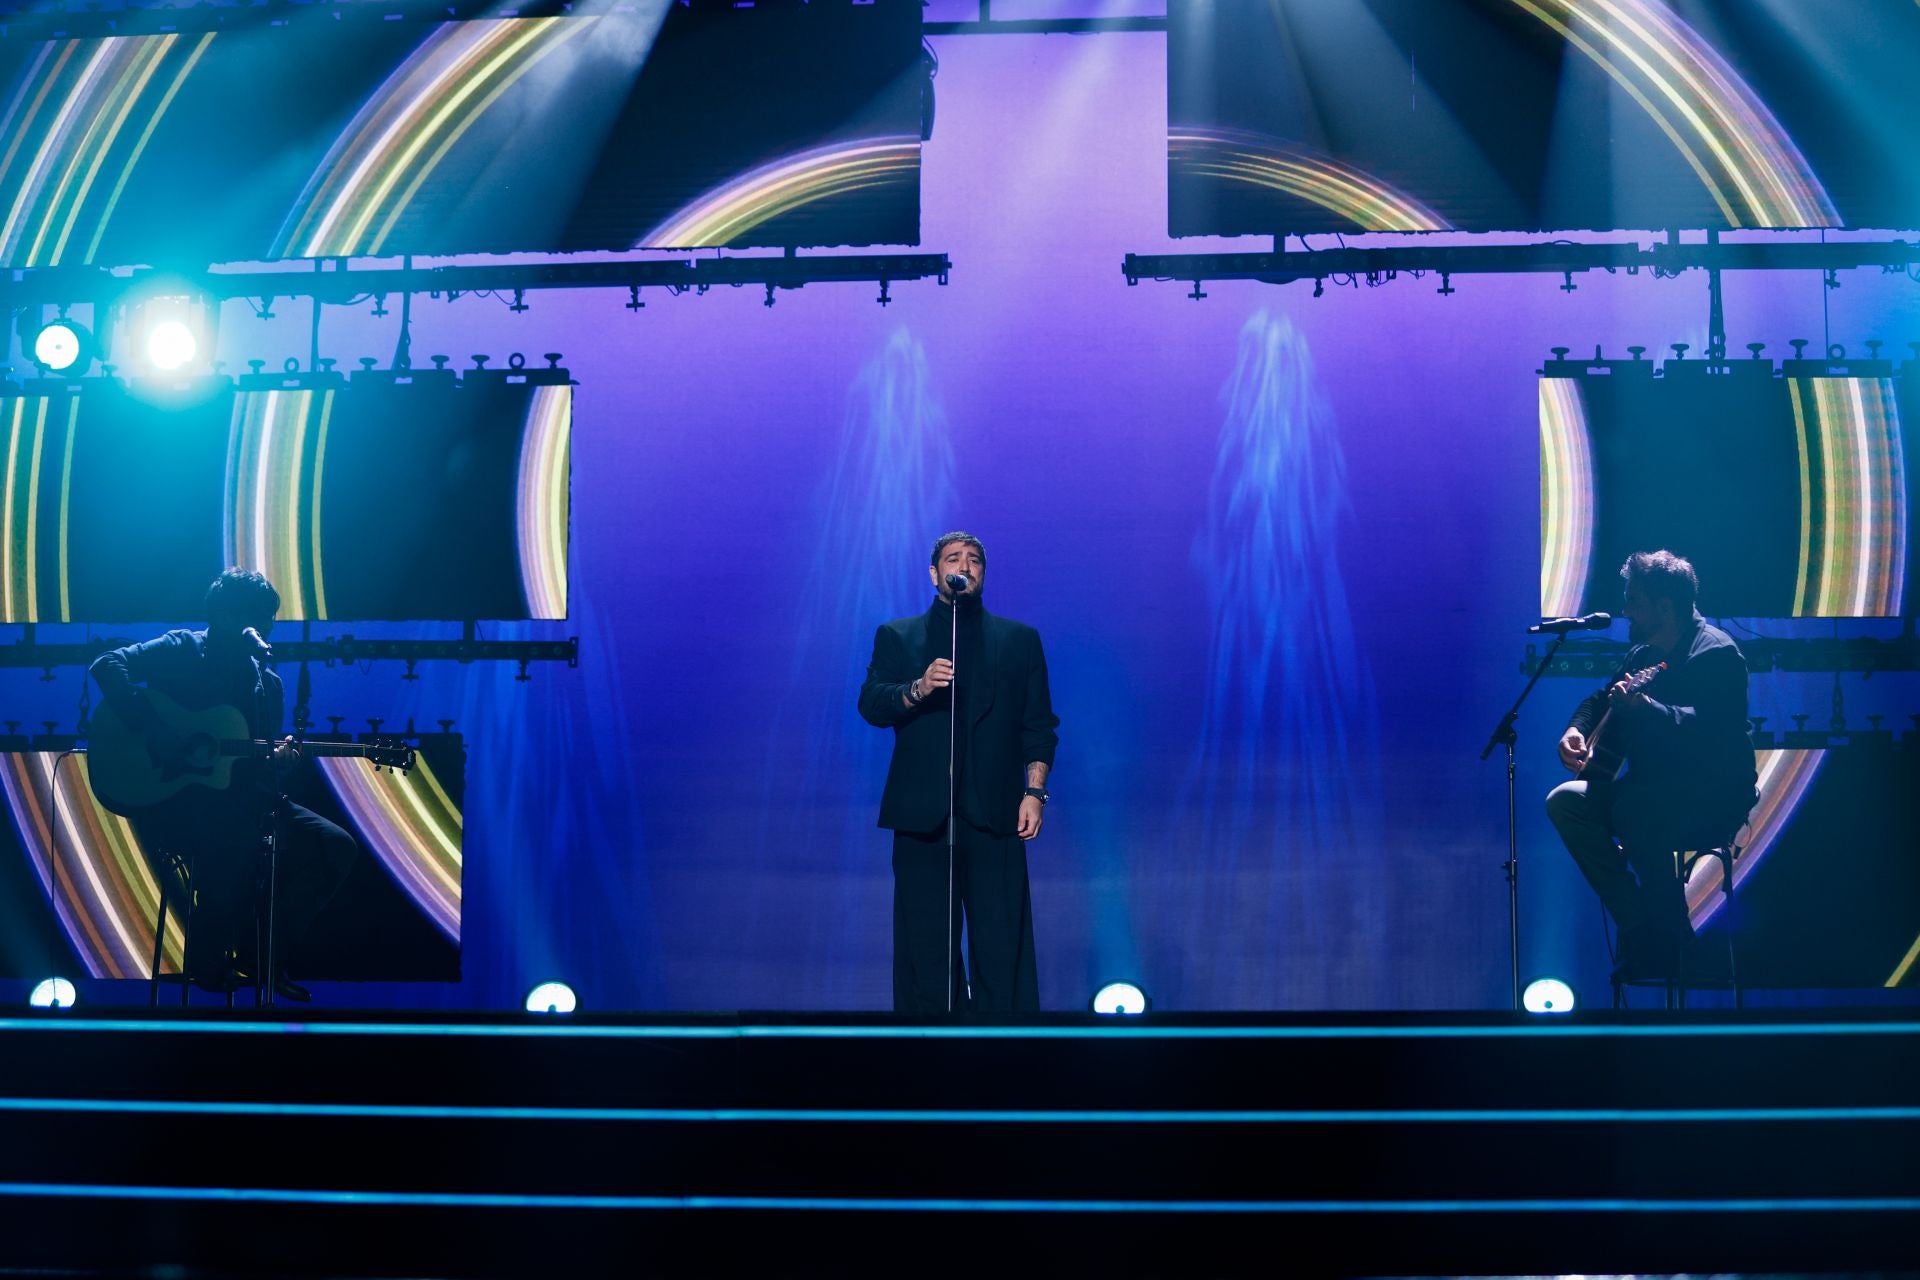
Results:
x,y
218,975
227,978
1648,956
1666,955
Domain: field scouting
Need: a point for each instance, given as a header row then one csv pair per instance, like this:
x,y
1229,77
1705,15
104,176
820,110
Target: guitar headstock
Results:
x,y
390,754
1643,677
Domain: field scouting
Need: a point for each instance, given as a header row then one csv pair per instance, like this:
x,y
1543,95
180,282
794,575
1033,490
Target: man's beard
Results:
x,y
1637,632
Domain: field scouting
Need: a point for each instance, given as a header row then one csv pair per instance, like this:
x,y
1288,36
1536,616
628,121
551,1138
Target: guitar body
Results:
x,y
219,756
1604,762
128,781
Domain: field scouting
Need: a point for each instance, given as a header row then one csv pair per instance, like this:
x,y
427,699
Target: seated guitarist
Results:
x,y
220,830
1690,772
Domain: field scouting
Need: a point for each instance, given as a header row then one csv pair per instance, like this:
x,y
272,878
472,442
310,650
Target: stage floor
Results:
x,y
351,1144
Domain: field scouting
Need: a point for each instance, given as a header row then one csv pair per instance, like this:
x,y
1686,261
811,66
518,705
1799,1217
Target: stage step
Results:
x,y
1720,1142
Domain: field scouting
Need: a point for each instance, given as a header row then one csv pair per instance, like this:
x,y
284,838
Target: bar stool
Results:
x,y
179,875
1677,985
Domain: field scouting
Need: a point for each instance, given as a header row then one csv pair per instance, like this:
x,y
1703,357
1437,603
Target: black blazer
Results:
x,y
1015,727
1687,746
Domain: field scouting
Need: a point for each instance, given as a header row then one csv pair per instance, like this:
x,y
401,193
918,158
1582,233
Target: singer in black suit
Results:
x,y
1002,751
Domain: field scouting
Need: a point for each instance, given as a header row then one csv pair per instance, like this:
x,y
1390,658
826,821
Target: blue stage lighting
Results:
x,y
171,344
1120,997
62,347
551,997
53,993
1547,995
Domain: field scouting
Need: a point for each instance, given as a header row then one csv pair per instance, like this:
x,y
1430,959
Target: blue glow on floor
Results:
x,y
276,1195
1116,1031
779,1115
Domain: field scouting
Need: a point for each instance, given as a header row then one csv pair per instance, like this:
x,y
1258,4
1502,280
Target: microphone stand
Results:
x,y
1504,736
953,723
269,963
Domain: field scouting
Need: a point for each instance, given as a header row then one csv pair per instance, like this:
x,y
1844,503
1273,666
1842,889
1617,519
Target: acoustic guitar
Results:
x,y
1603,762
129,781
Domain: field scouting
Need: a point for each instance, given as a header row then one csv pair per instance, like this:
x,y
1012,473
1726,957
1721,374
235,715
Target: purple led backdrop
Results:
x,y
1281,551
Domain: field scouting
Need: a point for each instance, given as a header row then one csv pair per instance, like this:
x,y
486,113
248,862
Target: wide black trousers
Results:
x,y
990,895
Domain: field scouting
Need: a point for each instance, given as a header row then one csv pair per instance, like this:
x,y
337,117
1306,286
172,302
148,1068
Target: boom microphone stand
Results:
x,y
1504,736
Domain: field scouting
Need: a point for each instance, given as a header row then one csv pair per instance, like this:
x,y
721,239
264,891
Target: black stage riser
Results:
x,y
1640,1061
1220,1160
514,1148
301,1240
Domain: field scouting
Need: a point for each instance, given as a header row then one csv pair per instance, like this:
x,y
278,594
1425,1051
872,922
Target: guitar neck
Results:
x,y
265,747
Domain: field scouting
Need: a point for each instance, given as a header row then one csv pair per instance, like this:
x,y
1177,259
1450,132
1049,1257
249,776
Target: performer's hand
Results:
x,y
1623,696
1031,814
938,675
1573,750
285,749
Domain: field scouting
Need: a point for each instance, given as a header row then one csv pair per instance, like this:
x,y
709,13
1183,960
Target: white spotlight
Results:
x,y
1120,997
1547,995
171,344
551,997
60,346
53,993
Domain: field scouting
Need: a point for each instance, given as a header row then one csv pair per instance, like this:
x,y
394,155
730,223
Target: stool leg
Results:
x,y
159,939
1727,858
1677,978
186,920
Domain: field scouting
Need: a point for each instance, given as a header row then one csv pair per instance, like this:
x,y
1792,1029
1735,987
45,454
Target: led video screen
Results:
x,y
1826,893
77,893
1304,116
334,132
371,499
1792,493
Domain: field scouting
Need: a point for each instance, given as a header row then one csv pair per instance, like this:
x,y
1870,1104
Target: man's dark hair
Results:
x,y
1664,576
242,593
940,545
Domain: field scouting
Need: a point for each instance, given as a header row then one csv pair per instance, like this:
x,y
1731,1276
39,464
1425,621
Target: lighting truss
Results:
x,y
136,17
1559,257
1597,659
341,285
342,650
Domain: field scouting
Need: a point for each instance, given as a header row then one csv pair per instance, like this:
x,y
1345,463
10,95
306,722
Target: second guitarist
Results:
x,y
1681,723
220,829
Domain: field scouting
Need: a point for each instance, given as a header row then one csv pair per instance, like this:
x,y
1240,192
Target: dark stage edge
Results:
x,y
344,1144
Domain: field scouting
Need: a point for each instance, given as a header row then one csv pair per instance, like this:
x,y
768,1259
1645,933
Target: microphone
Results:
x,y
1559,626
958,583
261,649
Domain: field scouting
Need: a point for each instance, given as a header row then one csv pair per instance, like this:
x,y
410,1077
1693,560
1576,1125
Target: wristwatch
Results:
x,y
1038,793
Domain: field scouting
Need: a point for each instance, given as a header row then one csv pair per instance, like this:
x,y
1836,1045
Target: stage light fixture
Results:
x,y
551,997
1547,995
169,329
62,346
53,993
1120,998
171,345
